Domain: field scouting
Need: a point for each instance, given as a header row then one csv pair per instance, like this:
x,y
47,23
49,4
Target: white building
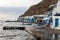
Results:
x,y
56,21
56,16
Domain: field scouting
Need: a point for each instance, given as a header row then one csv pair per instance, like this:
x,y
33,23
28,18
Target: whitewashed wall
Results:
x,y
53,26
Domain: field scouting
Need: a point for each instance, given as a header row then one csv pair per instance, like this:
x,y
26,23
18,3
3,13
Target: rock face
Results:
x,y
40,8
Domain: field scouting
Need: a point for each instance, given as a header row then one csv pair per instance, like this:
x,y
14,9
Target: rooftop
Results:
x,y
57,14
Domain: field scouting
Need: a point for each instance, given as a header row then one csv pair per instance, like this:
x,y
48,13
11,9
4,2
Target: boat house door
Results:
x,y
56,22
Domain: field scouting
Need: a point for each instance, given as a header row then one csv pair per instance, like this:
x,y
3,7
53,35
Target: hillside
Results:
x,y
40,8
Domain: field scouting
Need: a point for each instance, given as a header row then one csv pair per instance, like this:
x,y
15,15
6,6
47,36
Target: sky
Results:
x,y
57,9
12,9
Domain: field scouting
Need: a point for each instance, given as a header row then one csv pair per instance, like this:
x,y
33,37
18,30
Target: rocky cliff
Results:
x,y
40,8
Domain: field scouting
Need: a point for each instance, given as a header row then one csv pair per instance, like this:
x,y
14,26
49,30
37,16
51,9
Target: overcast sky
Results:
x,y
18,3
11,9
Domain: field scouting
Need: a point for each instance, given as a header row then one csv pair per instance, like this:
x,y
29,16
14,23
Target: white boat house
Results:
x,y
56,16
56,21
26,19
32,19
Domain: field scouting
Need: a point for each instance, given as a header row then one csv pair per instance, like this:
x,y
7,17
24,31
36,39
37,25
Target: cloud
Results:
x,y
11,9
7,16
11,13
18,3
57,9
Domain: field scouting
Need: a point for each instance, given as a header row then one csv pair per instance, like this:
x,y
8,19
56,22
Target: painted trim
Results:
x,y
54,17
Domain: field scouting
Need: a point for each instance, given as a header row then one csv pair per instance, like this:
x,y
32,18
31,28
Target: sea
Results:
x,y
17,34
14,34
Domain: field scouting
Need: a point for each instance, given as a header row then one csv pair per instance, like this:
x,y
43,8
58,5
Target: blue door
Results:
x,y
56,22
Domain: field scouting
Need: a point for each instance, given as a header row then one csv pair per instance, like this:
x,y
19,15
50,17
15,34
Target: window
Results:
x,y
56,22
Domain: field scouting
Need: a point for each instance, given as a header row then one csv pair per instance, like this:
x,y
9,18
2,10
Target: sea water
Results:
x,y
13,34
